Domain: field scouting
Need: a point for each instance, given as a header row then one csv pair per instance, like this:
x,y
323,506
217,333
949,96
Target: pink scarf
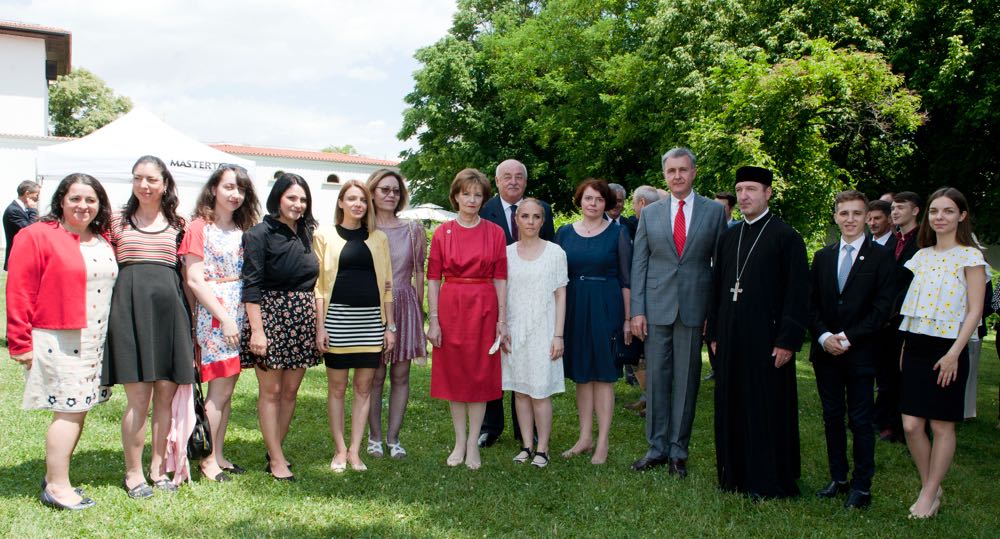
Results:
x,y
181,427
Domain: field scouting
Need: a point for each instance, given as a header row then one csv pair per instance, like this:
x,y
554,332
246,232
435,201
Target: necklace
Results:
x,y
736,290
473,225
589,231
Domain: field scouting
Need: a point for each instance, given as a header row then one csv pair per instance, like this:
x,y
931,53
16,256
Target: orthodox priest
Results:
x,y
756,323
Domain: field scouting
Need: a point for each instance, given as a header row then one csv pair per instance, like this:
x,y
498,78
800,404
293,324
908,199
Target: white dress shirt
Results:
x,y
841,253
883,239
675,204
507,212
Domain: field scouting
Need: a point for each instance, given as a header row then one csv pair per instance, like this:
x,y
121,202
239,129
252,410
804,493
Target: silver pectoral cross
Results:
x,y
736,290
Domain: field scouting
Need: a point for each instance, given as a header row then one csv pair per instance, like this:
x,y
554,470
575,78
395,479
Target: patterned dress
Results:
x,y
408,248
65,375
221,252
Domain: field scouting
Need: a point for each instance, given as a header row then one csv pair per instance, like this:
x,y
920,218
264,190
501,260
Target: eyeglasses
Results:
x,y
386,191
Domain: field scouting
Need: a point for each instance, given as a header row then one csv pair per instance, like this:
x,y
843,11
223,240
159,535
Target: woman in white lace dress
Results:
x,y
536,308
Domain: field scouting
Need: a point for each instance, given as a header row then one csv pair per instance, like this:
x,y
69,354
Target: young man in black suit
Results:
x,y
851,296
511,179
20,213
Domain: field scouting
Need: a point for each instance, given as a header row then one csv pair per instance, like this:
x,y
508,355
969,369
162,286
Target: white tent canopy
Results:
x,y
109,153
428,212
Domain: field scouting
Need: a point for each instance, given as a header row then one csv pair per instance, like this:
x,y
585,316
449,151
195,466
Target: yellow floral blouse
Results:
x,y
936,302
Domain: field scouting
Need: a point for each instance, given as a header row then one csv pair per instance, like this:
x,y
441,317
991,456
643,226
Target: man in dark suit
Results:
x,y
511,180
851,296
902,245
20,213
614,213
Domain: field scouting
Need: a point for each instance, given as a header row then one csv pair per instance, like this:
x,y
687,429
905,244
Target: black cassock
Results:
x,y
756,404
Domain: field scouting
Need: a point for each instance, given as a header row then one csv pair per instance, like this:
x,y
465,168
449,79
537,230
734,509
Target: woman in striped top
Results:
x,y
149,348
354,315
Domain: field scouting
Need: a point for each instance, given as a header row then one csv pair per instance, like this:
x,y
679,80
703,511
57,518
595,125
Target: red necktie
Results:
x,y
900,244
680,235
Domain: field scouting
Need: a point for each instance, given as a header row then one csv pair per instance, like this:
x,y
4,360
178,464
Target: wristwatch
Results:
x,y
391,327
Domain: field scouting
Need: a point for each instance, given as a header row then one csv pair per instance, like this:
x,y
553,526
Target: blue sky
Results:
x,y
296,74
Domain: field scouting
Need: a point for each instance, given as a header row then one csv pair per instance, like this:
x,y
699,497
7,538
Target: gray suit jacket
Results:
x,y
665,287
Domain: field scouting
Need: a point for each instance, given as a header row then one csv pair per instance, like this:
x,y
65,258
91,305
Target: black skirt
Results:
x,y
920,395
289,320
149,328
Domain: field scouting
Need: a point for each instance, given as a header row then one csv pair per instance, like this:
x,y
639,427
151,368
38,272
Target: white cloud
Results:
x,y
294,74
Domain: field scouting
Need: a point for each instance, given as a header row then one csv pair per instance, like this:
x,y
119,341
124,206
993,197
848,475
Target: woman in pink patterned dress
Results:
x,y
213,259
408,248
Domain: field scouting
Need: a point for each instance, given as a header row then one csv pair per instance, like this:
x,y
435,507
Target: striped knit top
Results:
x,y
134,246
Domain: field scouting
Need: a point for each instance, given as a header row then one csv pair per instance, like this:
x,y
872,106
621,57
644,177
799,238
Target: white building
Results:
x,y
324,171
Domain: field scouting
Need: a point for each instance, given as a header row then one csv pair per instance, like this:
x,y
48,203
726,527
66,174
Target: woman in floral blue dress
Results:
x,y
212,250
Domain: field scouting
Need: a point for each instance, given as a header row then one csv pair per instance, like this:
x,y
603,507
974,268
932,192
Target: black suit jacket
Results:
x,y
903,275
493,211
631,224
14,219
859,311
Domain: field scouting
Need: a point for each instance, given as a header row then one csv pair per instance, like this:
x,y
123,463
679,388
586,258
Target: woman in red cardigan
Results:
x,y
59,285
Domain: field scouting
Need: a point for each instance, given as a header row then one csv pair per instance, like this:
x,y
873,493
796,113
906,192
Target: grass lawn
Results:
x,y
421,497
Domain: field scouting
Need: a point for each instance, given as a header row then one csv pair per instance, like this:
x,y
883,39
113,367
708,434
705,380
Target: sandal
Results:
x,y
235,469
165,484
522,456
540,460
375,448
396,450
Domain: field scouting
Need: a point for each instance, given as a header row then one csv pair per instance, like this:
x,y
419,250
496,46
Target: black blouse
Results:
x,y
275,258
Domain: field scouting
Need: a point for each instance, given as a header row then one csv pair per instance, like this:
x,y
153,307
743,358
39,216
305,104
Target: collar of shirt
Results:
x,y
21,204
507,205
758,218
857,247
881,240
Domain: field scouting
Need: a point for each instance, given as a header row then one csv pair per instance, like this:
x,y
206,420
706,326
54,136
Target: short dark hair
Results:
x,y
468,176
880,205
284,183
383,173
27,186
728,197
849,195
596,184
246,215
907,196
102,221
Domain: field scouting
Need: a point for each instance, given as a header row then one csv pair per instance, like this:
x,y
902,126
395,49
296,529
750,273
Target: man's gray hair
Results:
x,y
617,189
27,186
505,161
679,151
647,193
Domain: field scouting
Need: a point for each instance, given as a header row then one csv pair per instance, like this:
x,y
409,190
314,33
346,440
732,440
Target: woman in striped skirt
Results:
x,y
354,316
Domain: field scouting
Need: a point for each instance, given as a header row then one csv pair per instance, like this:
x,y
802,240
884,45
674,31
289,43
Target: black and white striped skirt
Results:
x,y
355,336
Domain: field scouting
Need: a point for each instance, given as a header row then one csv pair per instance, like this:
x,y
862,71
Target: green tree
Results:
x,y
80,103
346,149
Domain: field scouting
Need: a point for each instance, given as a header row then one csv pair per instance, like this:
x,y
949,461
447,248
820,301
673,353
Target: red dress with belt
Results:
x,y
467,260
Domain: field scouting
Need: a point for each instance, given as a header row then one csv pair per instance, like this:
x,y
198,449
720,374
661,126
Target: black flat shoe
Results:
x,y
858,500
290,478
267,459
221,477
235,469
48,500
834,489
138,492
165,485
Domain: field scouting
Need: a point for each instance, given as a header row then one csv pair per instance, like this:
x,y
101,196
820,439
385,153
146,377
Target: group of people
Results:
x,y
155,303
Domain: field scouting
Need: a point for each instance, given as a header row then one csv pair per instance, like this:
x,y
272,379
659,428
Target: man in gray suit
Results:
x,y
671,286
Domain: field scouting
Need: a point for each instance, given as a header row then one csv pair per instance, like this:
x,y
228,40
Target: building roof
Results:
x,y
58,44
305,154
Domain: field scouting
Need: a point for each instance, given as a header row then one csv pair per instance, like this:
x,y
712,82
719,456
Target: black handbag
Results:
x,y
625,354
199,444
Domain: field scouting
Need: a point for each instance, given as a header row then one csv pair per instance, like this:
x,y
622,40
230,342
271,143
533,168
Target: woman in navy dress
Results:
x,y
598,254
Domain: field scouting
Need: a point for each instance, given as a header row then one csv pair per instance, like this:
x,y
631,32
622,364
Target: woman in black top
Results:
x,y
279,273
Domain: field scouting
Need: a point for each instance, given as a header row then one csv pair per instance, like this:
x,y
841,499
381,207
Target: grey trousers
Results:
x,y
673,373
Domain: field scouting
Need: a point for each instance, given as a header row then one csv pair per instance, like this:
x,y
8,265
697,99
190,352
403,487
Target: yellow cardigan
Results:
x,y
328,245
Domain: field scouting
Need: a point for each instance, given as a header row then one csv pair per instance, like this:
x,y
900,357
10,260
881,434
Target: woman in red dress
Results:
x,y
467,312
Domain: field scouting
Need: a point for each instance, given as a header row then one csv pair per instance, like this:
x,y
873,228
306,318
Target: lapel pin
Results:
x,y
861,257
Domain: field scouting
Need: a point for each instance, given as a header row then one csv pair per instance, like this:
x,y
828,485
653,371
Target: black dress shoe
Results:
x,y
49,500
648,463
487,439
834,489
290,478
858,500
678,467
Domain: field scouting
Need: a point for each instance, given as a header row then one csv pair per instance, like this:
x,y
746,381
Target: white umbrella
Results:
x,y
428,212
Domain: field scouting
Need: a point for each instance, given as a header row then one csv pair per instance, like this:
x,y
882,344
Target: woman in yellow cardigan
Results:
x,y
353,313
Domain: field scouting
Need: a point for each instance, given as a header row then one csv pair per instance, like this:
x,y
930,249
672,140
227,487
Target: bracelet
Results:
x,y
557,336
432,314
502,322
